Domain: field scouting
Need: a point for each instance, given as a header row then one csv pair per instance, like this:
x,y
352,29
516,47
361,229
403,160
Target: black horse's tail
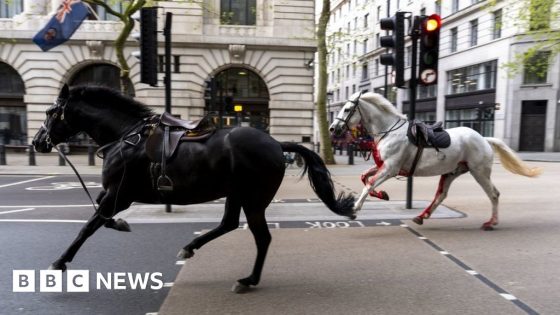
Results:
x,y
321,182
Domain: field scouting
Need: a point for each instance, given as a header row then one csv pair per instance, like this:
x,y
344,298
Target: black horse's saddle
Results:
x,y
165,137
428,136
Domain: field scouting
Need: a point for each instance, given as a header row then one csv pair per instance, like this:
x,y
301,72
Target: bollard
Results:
x,y
318,147
2,154
61,161
32,161
91,155
350,154
340,147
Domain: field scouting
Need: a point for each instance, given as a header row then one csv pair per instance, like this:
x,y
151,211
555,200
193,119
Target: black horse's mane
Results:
x,y
110,98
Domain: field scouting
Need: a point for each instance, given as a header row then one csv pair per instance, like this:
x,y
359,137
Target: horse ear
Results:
x,y
65,92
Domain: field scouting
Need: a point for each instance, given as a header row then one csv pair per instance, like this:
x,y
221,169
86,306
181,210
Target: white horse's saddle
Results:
x,y
428,136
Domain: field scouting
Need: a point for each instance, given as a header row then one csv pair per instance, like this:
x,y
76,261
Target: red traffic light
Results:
x,y
432,23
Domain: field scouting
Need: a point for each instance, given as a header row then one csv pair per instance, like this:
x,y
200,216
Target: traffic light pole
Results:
x,y
413,83
167,79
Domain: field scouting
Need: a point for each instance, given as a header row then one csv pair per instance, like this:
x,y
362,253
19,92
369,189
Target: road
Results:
x,y
517,264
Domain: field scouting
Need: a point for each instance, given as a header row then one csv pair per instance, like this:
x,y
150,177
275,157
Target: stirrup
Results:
x,y
164,183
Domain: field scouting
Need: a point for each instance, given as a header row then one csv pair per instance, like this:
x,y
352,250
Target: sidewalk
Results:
x,y
48,163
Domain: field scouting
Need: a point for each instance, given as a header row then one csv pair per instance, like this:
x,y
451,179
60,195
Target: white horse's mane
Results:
x,y
381,102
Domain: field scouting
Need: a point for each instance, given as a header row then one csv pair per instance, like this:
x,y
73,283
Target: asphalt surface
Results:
x,y
444,266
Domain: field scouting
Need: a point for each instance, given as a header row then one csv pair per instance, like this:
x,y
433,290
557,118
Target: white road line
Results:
x,y
47,206
42,221
19,210
168,284
508,297
152,313
444,252
180,262
471,272
26,181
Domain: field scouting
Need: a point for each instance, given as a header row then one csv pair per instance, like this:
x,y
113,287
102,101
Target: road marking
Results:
x,y
42,221
152,313
19,210
168,284
503,293
508,297
26,181
180,262
47,206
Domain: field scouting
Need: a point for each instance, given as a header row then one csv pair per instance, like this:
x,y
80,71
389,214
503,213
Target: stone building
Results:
x,y
474,88
259,50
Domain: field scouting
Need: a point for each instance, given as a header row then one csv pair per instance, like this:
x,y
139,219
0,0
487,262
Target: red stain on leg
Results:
x,y
428,211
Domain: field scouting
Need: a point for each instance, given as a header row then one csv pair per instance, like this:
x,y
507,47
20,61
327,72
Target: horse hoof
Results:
x,y
185,254
487,227
418,220
240,288
384,195
57,266
122,225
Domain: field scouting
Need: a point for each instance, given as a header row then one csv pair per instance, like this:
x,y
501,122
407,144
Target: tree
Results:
x,y
131,7
325,139
536,22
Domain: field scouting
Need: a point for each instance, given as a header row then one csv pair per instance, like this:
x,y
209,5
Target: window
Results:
x,y
474,32
348,29
427,91
376,67
377,43
453,42
348,52
103,14
355,22
354,70
497,27
423,11
238,12
365,46
472,78
454,6
540,11
365,71
346,95
535,70
355,47
480,119
9,8
353,88
438,7
378,13
391,93
366,18
347,71
13,116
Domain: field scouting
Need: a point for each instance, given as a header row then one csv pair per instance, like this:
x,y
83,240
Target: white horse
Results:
x,y
394,154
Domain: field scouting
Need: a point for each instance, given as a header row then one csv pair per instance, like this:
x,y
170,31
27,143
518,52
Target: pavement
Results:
x,y
331,266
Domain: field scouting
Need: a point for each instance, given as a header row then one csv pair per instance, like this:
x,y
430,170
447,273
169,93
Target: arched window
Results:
x,y
241,99
13,118
100,74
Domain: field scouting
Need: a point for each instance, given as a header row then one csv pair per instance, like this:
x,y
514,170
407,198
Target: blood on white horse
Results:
x,y
394,154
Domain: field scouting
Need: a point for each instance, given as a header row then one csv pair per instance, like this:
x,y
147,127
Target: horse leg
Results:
x,y
95,222
483,179
119,224
259,228
364,178
230,222
441,193
383,174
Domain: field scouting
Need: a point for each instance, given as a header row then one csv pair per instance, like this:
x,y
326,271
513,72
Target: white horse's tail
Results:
x,y
511,161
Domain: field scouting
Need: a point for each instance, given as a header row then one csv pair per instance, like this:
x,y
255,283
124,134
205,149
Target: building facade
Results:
x,y
258,50
474,87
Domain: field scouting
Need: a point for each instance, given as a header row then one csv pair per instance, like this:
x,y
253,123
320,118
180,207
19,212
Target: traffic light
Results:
x,y
395,42
210,92
429,49
148,53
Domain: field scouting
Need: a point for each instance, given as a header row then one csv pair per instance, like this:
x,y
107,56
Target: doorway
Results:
x,y
533,126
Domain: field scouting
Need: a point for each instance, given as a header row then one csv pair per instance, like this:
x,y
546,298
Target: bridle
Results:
x,y
354,108
58,115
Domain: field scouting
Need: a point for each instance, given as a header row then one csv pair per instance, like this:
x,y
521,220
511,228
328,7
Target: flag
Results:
x,y
69,16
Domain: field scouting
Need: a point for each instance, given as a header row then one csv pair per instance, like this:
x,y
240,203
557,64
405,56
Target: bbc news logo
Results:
x,y
79,281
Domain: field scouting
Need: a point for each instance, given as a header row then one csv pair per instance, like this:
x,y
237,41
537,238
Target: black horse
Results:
x,y
244,165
